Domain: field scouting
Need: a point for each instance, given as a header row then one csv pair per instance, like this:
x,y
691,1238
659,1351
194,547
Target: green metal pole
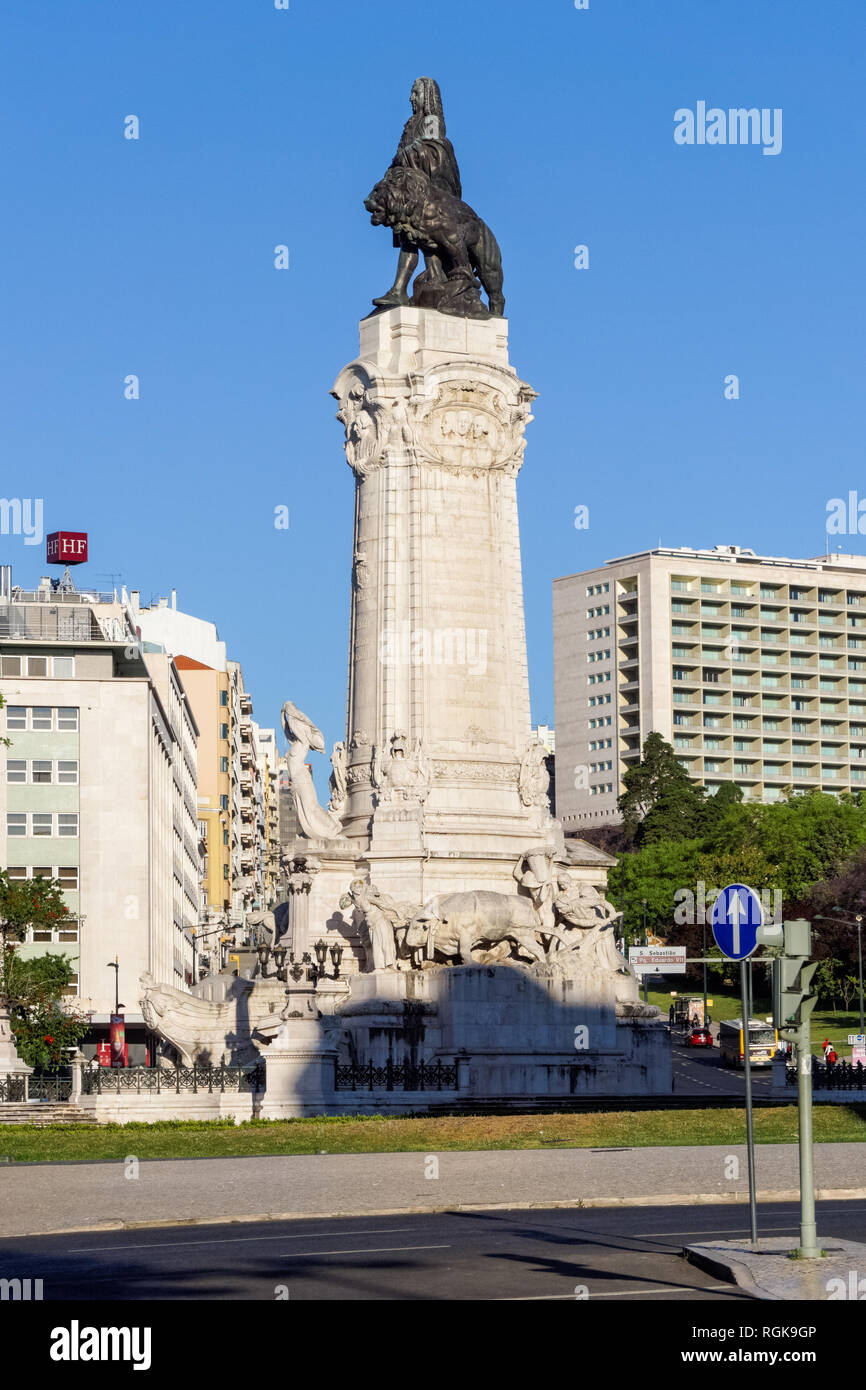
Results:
x,y
860,968
750,1134
808,1230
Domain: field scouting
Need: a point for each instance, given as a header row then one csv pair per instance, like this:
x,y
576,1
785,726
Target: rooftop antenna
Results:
x,y
113,579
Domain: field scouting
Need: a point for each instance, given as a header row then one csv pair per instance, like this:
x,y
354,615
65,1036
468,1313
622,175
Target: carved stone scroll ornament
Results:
x,y
361,418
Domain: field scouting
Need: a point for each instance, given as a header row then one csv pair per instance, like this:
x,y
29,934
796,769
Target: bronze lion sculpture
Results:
x,y
457,244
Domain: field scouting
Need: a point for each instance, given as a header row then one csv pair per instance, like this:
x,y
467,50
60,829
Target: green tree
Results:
x,y
30,989
660,801
42,1027
653,875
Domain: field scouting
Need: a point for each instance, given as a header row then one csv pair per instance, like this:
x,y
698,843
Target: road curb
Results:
x,y
730,1270
662,1199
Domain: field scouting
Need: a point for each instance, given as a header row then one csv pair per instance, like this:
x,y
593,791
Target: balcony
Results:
x,y
52,623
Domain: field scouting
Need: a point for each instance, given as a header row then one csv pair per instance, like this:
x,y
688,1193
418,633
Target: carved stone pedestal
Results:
x,y
10,1063
300,1061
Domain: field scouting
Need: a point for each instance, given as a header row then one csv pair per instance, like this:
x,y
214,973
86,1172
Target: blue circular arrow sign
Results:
x,y
737,915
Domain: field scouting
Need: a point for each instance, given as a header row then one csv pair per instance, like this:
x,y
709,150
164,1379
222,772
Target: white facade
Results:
x,y
95,790
179,633
754,667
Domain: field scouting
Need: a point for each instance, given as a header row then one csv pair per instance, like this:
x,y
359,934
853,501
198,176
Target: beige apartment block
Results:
x,y
97,790
753,667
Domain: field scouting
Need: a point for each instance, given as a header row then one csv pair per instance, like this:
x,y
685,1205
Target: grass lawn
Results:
x,y
221,1139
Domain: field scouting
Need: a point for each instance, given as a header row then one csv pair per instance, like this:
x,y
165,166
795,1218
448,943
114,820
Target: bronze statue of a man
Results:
x,y
425,148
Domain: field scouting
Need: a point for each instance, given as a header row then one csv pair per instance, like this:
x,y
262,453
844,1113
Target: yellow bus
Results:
x,y
763,1041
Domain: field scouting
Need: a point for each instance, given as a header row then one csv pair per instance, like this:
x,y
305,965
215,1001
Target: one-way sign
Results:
x,y
737,915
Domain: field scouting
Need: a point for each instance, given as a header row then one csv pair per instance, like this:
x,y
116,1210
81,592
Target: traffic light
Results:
x,y
792,977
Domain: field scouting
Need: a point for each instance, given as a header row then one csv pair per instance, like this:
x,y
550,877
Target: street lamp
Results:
x,y
115,966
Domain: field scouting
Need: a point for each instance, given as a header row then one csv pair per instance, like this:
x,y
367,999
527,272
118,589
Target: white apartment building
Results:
x,y
234,792
97,790
753,667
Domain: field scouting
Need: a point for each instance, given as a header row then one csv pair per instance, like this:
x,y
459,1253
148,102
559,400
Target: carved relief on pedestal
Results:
x,y
401,772
471,426
459,771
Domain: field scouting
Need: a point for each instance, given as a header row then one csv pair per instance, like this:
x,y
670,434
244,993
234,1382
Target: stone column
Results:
x,y
302,871
438,698
299,1063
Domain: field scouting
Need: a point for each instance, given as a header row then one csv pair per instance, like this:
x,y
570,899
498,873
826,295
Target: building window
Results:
x,y
67,771
67,718
224,803
37,665
16,770
16,823
40,771
63,666
42,823
224,697
41,717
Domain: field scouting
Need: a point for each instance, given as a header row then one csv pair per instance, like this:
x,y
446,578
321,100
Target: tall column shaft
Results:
x,y
438,718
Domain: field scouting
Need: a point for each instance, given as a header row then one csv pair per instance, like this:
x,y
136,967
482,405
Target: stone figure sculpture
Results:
x,y
381,916
420,198
401,772
456,924
534,873
203,1030
338,779
262,927
534,778
303,736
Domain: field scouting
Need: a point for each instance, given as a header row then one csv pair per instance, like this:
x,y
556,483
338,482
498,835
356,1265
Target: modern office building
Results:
x,y
753,667
97,790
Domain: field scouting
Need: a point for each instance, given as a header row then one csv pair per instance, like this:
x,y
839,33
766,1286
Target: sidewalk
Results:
x,y
42,1198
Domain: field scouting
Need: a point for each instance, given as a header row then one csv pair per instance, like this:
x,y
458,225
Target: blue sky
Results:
x,y
260,127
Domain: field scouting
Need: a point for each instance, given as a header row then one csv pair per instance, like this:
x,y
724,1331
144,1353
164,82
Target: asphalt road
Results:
x,y
614,1255
698,1071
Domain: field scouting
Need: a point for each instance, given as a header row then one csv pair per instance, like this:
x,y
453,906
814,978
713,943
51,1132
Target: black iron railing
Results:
x,y
13,1087
424,1076
98,1081
832,1076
